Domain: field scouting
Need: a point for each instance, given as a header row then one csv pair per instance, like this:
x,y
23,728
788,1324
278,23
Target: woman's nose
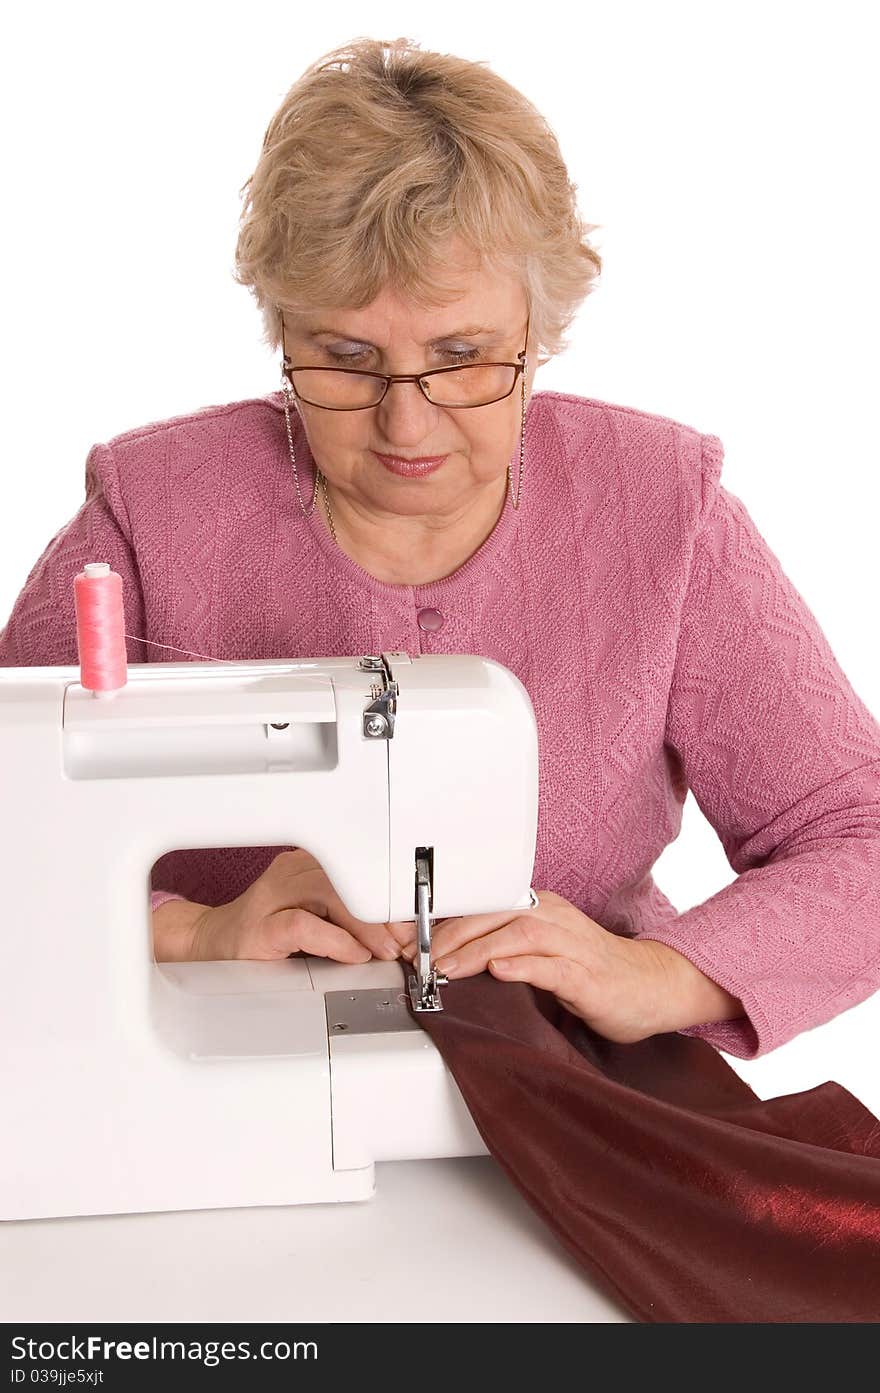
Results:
x,y
405,413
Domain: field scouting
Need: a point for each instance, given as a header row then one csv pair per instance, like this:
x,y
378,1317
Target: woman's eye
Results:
x,y
346,357
457,355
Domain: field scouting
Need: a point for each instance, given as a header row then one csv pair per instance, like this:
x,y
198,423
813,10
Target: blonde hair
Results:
x,y
378,155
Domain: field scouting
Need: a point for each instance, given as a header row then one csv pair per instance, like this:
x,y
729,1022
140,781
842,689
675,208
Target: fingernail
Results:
x,y
448,966
391,948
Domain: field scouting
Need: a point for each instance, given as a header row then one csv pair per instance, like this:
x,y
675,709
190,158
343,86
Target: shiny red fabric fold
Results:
x,y
677,1188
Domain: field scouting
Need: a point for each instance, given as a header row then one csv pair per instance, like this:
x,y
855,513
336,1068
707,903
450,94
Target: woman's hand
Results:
x,y
617,985
292,907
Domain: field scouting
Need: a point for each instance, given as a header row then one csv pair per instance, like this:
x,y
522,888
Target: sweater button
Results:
x,y
430,620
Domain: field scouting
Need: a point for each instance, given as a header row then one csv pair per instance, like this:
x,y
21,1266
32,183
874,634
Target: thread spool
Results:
x,y
100,629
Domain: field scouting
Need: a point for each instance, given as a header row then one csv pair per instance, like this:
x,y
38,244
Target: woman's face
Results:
x,y
395,336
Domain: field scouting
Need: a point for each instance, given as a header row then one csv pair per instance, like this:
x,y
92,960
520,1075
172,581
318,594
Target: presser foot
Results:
x,y
425,996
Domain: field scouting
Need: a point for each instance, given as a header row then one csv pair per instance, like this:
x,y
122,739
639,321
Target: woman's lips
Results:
x,y
411,468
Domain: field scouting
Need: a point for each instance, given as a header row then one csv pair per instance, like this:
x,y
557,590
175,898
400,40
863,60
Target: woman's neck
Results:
x,y
408,552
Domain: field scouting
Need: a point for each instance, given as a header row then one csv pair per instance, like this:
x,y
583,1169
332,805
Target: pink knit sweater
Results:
x,y
661,644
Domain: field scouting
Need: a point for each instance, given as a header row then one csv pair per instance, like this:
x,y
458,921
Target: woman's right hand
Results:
x,y
292,907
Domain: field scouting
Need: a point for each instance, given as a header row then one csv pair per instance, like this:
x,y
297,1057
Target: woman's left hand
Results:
x,y
617,985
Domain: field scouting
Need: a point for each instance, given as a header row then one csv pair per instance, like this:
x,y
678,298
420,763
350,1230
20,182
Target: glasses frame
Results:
x,y
289,369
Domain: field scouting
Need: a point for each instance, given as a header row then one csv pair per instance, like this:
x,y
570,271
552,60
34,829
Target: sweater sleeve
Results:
x,y
783,759
41,630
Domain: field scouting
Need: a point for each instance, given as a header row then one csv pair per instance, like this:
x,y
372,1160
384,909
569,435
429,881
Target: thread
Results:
x,y
101,632
151,643
100,629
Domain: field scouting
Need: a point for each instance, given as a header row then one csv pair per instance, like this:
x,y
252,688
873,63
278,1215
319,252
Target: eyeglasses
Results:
x,y
356,389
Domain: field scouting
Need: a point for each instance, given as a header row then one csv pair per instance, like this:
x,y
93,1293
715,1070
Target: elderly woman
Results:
x,y
412,240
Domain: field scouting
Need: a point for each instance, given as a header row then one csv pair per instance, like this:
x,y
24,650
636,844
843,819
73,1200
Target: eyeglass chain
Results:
x,y
319,477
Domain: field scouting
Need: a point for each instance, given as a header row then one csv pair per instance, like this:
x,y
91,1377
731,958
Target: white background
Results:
x,y
725,150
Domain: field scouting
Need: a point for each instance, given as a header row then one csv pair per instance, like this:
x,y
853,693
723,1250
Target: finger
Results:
x,y
403,931
379,938
314,893
539,936
410,942
290,930
454,933
376,936
568,981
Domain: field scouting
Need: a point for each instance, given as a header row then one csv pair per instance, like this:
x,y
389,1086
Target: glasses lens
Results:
x,y
342,390
475,384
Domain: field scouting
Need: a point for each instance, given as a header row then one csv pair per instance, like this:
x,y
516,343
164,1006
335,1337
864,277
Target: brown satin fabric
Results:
x,y
680,1191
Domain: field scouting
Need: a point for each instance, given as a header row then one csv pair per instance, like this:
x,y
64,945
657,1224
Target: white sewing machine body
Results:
x,y
131,1086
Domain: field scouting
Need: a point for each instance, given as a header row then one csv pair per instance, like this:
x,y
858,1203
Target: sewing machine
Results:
x,y
131,1086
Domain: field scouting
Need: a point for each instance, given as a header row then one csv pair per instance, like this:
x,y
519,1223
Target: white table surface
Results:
x,y
449,1240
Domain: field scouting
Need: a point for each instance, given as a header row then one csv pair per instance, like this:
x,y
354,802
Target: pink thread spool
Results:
x,y
100,629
